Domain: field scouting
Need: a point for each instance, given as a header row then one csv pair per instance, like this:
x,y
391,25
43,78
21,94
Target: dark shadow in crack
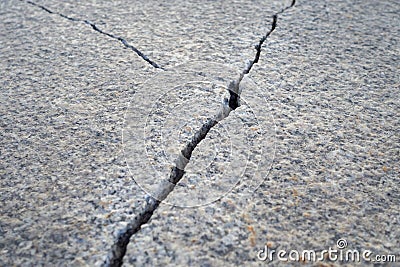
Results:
x,y
97,29
118,250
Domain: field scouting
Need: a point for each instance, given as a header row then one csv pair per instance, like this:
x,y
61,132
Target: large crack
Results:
x,y
118,249
97,29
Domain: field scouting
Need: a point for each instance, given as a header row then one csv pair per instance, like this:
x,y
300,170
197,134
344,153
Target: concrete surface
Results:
x,y
319,121
64,89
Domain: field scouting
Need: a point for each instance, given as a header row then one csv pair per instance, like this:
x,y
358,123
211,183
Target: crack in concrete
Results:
x,y
97,29
262,40
118,249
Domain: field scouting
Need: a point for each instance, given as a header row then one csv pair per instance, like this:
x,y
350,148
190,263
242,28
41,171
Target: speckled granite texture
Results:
x,y
328,80
64,89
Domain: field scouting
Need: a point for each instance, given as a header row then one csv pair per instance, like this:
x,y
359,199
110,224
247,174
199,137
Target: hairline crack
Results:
x,y
97,29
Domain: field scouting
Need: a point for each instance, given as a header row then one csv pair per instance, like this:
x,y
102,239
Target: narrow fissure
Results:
x,y
97,29
118,249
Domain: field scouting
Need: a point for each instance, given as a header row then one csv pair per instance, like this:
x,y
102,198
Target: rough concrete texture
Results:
x,y
64,89
325,93
174,32
331,75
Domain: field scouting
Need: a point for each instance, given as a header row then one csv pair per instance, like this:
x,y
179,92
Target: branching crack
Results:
x,y
97,29
118,250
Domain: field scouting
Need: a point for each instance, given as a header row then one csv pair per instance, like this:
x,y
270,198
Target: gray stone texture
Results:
x,y
327,84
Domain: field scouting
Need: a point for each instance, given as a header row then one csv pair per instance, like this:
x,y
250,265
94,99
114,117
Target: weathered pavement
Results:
x,y
328,84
